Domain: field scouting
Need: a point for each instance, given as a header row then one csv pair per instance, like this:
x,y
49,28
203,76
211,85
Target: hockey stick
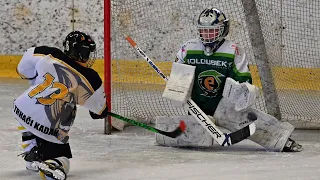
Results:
x,y
199,115
173,134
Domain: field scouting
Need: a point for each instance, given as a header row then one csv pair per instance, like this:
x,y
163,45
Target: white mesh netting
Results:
x,y
291,34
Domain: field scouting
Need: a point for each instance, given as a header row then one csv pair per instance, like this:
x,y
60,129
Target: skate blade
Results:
x,y
55,174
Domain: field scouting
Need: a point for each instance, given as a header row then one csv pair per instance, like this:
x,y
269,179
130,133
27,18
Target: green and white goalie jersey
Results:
x,y
211,71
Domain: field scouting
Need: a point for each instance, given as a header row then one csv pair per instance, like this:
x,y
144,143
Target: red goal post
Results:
x,y
107,62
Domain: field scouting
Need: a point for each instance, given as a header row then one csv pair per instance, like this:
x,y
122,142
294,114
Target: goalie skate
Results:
x,y
292,146
51,170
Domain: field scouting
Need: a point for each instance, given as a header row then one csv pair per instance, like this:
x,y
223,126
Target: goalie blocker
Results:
x,y
180,83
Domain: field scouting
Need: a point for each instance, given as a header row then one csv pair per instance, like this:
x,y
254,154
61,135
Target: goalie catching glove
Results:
x,y
242,95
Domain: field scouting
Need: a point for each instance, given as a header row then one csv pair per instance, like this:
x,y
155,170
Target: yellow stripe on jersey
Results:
x,y
20,128
24,145
105,105
42,175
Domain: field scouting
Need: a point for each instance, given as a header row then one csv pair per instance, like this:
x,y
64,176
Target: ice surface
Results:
x,y
133,154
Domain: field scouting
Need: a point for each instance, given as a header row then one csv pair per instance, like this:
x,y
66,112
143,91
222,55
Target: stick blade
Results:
x,y
182,126
177,132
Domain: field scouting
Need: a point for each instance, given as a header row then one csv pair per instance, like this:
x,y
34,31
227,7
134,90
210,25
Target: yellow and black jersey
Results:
x,y
57,83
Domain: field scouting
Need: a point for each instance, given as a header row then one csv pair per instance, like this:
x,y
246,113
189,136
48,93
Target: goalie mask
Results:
x,y
213,27
81,47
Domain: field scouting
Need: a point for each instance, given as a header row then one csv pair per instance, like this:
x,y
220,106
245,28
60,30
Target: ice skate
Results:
x,y
292,146
30,157
51,170
31,166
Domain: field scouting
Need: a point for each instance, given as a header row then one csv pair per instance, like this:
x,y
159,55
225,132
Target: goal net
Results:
x,y
291,35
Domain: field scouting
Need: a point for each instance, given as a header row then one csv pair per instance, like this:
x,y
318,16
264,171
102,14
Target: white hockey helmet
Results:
x,y
213,27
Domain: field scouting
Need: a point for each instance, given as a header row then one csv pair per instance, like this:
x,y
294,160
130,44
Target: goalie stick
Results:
x,y
199,115
173,134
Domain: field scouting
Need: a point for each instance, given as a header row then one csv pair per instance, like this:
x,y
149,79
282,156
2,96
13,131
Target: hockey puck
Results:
x,y
252,116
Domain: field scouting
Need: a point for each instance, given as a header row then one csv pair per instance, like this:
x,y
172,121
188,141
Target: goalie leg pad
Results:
x,y
270,133
194,136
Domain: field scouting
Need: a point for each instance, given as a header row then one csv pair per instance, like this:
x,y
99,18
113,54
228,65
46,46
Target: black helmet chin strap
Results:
x,y
80,58
210,48
208,51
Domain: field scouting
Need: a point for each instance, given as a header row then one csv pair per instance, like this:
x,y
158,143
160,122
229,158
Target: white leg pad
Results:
x,y
270,133
194,136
